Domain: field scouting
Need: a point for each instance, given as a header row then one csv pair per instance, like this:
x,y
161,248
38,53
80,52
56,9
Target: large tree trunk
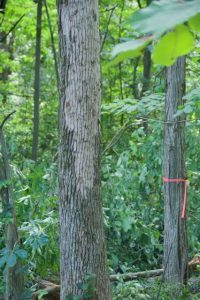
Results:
x,y
175,235
81,234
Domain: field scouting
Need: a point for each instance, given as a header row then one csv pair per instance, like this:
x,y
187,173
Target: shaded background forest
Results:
x,y
132,134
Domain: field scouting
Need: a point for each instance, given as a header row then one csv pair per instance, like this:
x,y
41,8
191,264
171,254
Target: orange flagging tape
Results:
x,y
178,180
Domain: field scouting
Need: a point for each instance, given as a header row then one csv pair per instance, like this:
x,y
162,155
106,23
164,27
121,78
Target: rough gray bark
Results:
x,y
81,220
175,232
14,280
37,82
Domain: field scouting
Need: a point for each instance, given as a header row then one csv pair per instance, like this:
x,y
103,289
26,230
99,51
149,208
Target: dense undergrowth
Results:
x,y
132,187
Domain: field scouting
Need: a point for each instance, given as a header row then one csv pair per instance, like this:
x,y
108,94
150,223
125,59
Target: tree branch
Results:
x,y
11,29
6,118
139,3
107,26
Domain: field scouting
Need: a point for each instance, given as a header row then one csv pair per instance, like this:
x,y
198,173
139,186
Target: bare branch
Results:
x,y
6,118
11,29
107,26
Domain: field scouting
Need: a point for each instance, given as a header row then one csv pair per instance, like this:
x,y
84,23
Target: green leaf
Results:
x,y
11,260
162,16
2,261
184,40
129,49
194,23
4,183
163,51
21,253
127,223
174,44
25,199
188,109
41,294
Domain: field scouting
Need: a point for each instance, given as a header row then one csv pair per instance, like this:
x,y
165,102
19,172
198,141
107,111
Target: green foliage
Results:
x,y
132,157
137,107
178,42
9,257
150,19
131,290
194,23
153,289
128,185
129,49
192,103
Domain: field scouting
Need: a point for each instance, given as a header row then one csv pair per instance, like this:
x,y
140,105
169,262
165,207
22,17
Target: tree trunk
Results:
x,y
175,233
146,81
37,82
13,277
146,72
6,46
83,252
3,6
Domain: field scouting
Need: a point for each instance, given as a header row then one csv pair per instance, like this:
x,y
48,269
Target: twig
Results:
x,y
11,29
6,118
107,26
14,94
110,144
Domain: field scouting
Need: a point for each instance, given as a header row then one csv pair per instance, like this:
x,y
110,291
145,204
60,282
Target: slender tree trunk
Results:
x,y
120,65
14,278
37,82
81,220
146,80
3,5
52,42
146,71
135,91
6,46
175,234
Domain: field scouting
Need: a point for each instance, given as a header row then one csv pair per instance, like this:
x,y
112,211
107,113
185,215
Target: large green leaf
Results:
x,y
11,260
162,16
185,40
129,49
174,44
194,23
21,253
164,50
127,223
